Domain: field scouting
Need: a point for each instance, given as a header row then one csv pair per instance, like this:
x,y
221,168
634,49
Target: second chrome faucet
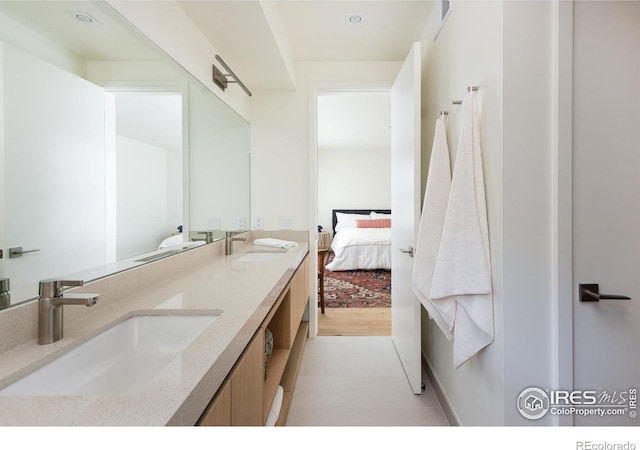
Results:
x,y
228,242
50,307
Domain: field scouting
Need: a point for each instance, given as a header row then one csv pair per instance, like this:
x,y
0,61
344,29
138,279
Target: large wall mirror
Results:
x,y
112,155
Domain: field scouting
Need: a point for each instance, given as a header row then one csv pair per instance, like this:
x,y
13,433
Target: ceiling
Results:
x,y
321,31
104,38
262,40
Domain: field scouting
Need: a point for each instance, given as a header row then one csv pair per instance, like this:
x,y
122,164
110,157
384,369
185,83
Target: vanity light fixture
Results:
x,y
220,79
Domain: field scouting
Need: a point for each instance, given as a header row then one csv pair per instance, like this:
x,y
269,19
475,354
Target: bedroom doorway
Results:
x,y
353,171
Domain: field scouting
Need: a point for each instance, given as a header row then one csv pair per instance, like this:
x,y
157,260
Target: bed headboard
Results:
x,y
366,212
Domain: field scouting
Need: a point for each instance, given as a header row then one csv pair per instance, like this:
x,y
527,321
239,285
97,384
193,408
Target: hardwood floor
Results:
x,y
355,322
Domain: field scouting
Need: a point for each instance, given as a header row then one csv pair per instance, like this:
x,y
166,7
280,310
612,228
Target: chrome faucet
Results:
x,y
50,303
208,236
228,242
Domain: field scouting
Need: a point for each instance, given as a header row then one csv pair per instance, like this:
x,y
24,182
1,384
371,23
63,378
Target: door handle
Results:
x,y
17,252
591,293
410,251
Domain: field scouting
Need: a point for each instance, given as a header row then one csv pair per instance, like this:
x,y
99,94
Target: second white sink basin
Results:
x,y
119,360
260,256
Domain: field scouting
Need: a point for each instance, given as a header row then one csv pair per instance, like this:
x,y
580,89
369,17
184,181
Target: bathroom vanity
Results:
x,y
218,378
247,394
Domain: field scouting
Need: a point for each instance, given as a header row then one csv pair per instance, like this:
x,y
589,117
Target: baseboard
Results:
x,y
446,405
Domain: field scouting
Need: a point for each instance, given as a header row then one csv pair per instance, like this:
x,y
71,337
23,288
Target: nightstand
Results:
x,y
324,240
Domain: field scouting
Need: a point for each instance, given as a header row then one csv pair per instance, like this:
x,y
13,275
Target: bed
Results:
x,y
361,239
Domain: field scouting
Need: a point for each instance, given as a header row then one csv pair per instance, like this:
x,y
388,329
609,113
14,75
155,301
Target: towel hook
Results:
x,y
469,89
444,113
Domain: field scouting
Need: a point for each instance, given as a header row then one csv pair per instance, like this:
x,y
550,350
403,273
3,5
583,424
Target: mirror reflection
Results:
x,y
104,137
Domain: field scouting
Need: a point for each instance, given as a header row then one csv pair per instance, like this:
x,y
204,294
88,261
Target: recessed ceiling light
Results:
x,y
354,19
83,17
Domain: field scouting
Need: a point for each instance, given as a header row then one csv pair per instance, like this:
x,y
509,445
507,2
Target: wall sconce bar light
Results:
x,y
220,79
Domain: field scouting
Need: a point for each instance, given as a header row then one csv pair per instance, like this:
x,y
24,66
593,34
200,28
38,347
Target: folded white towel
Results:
x,y
434,210
276,404
277,243
461,285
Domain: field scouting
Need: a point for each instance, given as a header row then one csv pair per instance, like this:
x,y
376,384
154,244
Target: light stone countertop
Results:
x,y
200,280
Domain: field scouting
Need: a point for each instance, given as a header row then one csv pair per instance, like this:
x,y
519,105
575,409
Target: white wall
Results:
x,y
528,121
218,143
141,214
507,49
150,127
354,152
468,51
280,137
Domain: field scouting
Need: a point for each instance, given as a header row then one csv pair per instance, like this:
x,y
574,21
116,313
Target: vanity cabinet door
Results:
x,y
247,378
218,413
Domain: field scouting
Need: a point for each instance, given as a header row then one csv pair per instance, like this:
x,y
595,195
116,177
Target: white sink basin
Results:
x,y
119,360
260,256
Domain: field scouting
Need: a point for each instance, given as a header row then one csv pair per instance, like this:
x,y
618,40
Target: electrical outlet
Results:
x,y
242,223
213,223
286,223
259,223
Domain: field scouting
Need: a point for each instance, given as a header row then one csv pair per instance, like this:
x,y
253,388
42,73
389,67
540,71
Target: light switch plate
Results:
x,y
213,223
286,223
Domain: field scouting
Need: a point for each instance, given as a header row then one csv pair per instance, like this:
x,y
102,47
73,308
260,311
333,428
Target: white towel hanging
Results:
x,y
461,285
434,210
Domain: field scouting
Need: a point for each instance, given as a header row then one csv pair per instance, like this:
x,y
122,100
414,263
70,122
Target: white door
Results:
x,y
405,210
606,204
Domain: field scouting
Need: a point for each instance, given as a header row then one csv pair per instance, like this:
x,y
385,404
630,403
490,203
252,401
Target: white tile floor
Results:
x,y
358,381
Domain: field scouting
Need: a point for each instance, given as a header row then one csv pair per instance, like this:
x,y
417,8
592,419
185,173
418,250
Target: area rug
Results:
x,y
357,289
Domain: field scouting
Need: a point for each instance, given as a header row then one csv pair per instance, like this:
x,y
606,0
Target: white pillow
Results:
x,y
348,220
377,215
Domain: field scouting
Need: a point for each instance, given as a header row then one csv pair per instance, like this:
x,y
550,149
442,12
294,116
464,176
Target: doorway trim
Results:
x,y
562,200
315,90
